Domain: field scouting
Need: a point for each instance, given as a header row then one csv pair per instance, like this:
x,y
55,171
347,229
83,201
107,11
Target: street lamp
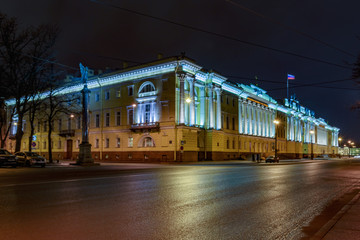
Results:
x,y
276,122
312,147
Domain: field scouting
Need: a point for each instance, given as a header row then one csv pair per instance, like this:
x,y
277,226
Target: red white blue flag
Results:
x,y
291,77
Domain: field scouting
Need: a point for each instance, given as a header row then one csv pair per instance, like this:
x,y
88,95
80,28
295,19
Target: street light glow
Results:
x,y
134,105
188,100
312,132
276,121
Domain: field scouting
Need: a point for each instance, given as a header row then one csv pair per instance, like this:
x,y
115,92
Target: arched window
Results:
x,y
146,142
147,87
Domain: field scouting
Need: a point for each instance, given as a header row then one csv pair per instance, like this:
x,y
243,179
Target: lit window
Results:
x,y
130,142
96,143
118,93
117,142
107,142
97,97
107,95
148,142
147,113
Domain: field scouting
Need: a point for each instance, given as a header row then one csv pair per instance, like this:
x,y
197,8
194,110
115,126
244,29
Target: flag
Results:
x,y
291,77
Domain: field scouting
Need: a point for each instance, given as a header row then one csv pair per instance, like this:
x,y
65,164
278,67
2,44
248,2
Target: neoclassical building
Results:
x,y
174,110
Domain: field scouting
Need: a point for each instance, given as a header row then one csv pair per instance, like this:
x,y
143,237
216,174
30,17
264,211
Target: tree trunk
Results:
x,y
49,141
19,133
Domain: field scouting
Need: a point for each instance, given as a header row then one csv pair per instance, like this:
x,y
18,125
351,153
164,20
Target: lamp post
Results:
x,y
276,133
312,146
339,145
349,142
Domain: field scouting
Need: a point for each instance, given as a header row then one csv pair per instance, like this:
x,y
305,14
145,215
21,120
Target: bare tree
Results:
x,y
55,105
6,116
24,55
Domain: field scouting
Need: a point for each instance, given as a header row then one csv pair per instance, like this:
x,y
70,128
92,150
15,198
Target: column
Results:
x,y
202,105
240,115
181,77
218,108
192,103
210,104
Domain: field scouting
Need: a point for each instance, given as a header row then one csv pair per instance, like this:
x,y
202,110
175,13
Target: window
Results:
x,y
69,124
97,120
147,87
130,116
107,143
45,126
148,142
96,143
59,124
233,143
118,118
107,119
107,95
39,126
130,142
78,123
233,123
227,122
227,100
131,90
44,144
97,97
233,102
147,113
77,143
117,142
118,93
59,144
227,144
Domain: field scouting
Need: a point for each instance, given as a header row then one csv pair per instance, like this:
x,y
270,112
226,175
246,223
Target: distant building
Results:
x,y
174,110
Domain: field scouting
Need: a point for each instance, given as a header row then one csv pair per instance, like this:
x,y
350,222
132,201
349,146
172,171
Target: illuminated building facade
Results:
x,y
174,110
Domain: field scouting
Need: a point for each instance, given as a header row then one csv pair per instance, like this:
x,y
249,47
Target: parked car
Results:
x,y
7,159
272,159
29,159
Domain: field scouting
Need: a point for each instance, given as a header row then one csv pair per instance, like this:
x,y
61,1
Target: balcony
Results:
x,y
155,126
67,133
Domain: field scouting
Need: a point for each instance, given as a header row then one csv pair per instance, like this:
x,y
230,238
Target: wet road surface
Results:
x,y
199,201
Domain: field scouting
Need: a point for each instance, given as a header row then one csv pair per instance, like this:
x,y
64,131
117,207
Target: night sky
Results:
x,y
102,36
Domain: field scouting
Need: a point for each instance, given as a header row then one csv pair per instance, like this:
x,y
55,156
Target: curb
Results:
x,y
331,223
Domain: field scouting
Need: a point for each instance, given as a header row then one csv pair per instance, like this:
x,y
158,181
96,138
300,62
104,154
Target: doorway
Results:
x,y
69,145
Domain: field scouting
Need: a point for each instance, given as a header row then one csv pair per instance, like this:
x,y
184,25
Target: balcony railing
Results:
x,y
67,133
145,126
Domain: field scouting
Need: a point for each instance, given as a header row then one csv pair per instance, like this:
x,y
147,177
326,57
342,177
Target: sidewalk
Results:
x,y
344,225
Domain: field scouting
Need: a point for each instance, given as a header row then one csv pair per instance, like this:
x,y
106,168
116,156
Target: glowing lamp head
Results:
x,y
276,121
188,100
72,115
312,132
134,105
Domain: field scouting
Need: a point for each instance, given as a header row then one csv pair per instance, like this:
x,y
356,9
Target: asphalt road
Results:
x,y
197,201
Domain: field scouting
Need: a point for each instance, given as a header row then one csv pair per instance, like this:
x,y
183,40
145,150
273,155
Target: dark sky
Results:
x,y
90,32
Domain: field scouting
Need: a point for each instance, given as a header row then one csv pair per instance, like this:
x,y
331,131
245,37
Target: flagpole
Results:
x,y
287,88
